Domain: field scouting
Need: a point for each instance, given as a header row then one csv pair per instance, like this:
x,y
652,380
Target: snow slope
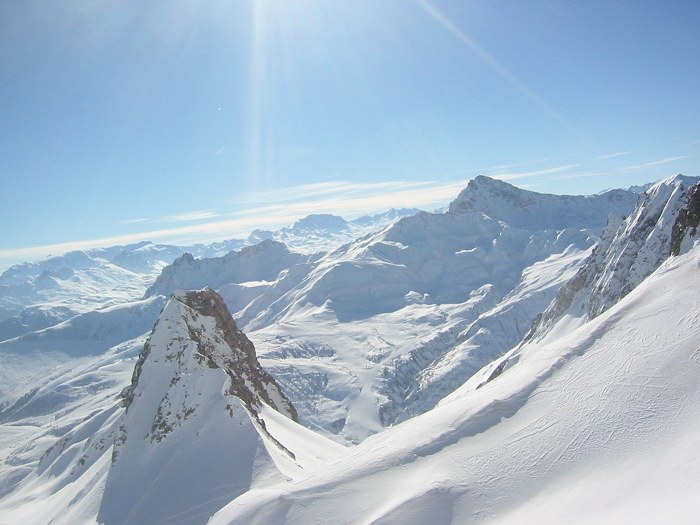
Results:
x,y
664,222
34,355
600,425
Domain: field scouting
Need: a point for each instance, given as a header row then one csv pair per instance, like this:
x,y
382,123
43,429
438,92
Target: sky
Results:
x,y
186,121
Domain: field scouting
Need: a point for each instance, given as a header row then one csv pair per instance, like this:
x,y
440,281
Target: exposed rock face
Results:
x,y
218,346
686,225
664,221
192,412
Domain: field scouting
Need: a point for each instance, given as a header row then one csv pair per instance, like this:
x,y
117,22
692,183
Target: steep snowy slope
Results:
x,y
665,222
55,453
600,425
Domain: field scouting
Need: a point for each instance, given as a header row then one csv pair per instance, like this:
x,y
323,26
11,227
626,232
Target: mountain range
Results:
x,y
519,357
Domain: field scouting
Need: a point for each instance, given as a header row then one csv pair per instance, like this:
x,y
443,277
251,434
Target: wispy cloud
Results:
x,y
515,175
190,216
651,164
615,155
340,188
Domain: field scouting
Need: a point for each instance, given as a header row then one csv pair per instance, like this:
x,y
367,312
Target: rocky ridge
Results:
x,y
664,223
194,404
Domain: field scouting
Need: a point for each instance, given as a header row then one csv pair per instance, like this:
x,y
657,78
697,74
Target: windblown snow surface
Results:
x,y
416,348
599,425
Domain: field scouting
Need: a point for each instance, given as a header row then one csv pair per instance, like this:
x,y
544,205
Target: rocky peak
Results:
x,y
685,229
249,381
200,321
194,409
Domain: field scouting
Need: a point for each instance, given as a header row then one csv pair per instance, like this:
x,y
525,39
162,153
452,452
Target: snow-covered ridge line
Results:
x,y
664,223
613,403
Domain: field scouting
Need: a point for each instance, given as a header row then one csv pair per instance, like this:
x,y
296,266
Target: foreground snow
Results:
x,y
599,426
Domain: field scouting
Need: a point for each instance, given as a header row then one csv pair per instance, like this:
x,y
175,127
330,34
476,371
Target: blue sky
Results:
x,y
180,121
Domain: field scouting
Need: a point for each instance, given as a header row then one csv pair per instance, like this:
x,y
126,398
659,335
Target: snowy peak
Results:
x,y
196,330
192,412
321,221
538,211
664,223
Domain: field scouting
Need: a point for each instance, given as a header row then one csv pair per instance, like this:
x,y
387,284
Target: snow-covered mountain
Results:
x,y
193,407
597,426
37,295
408,342
664,223
384,327
198,406
325,232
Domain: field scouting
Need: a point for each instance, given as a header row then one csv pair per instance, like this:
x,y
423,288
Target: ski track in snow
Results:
x,y
605,398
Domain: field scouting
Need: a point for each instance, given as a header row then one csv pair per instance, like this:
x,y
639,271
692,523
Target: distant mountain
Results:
x,y
325,232
37,295
529,210
517,358
466,284
259,263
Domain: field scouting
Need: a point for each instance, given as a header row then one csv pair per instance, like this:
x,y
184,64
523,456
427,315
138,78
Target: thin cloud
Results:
x,y
651,164
535,173
190,216
325,189
615,155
